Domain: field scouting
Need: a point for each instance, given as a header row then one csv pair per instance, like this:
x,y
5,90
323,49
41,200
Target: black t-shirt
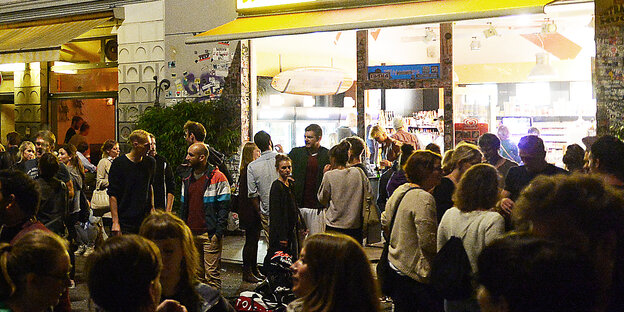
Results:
x,y
163,182
130,183
519,177
32,170
443,194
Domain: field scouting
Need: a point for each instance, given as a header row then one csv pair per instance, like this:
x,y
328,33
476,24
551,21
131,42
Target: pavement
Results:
x,y
231,272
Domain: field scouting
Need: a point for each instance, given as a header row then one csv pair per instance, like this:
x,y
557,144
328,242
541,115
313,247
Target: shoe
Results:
x,y
81,249
72,284
249,277
257,273
89,250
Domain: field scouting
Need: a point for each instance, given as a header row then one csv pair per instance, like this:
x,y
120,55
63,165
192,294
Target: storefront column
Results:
x,y
362,75
31,98
609,67
446,78
245,91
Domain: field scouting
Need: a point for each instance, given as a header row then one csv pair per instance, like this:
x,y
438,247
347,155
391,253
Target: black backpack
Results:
x,y
451,273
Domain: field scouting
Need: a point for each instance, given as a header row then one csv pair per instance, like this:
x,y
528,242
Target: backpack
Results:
x,y
451,273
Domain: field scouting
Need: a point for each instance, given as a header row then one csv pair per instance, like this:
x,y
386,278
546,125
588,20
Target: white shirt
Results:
x,y
260,176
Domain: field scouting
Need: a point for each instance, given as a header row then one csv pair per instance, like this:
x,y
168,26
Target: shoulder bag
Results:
x,y
370,214
384,271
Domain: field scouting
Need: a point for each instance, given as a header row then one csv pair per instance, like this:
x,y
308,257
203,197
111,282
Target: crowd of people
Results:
x,y
536,237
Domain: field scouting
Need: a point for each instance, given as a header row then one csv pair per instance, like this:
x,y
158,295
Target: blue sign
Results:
x,y
394,72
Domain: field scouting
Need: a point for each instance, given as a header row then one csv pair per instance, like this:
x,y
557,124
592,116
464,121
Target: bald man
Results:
x,y
205,207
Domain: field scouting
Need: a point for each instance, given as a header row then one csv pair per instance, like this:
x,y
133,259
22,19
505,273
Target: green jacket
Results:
x,y
299,157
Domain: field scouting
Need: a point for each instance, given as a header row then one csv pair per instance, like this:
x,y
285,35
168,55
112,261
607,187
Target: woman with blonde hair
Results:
x,y
26,152
333,274
464,156
249,217
180,262
35,271
472,221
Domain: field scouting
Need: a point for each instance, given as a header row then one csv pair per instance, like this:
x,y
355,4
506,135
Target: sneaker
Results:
x,y
72,284
80,250
89,250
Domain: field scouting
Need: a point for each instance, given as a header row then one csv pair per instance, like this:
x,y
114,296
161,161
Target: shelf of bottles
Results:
x,y
422,123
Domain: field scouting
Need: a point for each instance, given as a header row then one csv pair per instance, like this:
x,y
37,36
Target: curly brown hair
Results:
x,y
477,189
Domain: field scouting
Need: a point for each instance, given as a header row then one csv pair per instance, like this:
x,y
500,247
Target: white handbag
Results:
x,y
99,200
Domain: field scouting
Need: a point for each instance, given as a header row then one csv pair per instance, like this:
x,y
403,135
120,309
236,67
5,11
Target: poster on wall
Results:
x,y
198,73
470,130
394,72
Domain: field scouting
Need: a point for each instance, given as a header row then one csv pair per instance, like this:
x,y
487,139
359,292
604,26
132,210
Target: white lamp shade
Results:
x,y
312,81
542,68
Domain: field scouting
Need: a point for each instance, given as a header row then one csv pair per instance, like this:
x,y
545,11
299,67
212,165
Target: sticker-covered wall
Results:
x,y
196,72
609,80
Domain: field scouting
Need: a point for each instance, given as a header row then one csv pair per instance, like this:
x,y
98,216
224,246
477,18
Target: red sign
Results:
x,y
469,131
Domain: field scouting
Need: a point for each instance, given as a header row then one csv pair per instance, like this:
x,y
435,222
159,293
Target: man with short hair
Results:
x,y
402,135
308,164
45,143
390,148
533,154
75,126
9,157
260,176
605,160
130,185
195,132
205,208
489,144
163,183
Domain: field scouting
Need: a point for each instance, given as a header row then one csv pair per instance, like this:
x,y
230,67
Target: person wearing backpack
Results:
x,y
412,238
475,225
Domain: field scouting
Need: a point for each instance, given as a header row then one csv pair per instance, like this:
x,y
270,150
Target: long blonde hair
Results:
x,y
247,154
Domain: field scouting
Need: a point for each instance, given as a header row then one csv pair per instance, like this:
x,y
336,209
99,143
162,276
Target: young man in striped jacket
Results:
x,y
205,207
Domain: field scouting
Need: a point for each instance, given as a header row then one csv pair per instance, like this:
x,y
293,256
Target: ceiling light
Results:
x,y
475,45
429,35
490,32
11,67
549,27
542,69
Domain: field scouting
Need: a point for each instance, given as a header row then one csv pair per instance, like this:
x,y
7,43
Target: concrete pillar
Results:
x,y
31,99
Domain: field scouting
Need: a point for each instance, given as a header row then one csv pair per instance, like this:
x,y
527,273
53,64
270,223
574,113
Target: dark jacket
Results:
x,y
216,201
284,217
299,157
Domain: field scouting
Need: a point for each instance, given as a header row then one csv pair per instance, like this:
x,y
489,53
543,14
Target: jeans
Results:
x,y
209,249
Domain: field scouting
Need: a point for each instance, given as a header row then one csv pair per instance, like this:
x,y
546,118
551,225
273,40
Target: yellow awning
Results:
x,y
41,43
367,17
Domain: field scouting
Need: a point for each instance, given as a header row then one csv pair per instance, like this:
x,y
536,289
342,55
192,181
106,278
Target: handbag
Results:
x,y
99,200
370,214
384,271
